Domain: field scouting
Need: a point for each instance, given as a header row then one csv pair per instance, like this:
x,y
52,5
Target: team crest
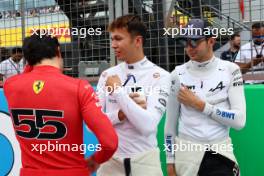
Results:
x,y
38,86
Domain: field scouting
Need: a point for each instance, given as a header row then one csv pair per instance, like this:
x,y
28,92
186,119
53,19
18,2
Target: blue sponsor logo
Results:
x,y
224,114
218,112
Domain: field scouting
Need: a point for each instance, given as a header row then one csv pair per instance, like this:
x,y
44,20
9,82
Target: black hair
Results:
x,y
257,25
37,47
16,50
234,36
133,23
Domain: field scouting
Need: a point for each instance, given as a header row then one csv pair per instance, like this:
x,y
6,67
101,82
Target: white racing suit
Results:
x,y
219,83
137,150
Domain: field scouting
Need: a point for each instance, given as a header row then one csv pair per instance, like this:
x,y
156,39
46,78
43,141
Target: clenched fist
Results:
x,y
188,98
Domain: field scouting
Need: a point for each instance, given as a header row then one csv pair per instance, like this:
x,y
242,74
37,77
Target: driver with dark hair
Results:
x,y
48,108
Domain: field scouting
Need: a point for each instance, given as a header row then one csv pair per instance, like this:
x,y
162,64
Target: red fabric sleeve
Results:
x,y
98,122
28,68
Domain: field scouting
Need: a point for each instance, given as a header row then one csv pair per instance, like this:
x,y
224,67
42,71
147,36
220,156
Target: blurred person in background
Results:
x,y
13,65
251,55
230,54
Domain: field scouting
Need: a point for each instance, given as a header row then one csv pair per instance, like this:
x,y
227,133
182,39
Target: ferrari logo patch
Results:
x,y
38,86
